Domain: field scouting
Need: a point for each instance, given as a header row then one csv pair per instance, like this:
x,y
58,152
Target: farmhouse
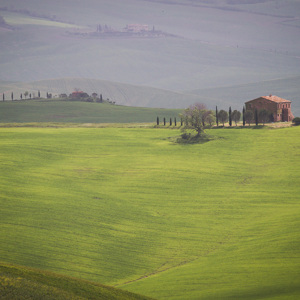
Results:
x,y
78,94
279,108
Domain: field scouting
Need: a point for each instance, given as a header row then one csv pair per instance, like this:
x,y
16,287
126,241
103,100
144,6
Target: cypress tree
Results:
x,y
39,94
217,118
21,96
3,97
256,117
164,121
157,121
244,120
181,122
230,118
101,100
12,96
170,121
175,122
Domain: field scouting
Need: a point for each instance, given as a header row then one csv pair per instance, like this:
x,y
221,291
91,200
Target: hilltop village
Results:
x,y
129,31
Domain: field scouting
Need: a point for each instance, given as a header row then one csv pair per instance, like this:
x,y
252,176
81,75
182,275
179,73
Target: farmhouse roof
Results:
x,y
272,98
77,92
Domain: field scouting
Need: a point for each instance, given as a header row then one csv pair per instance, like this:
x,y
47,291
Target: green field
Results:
x,y
79,112
18,282
128,207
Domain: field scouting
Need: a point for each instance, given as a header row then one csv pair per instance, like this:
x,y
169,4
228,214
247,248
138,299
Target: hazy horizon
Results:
x,y
220,44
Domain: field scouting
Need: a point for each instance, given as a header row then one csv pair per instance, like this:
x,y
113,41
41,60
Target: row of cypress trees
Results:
x,y
247,115
223,116
21,95
170,121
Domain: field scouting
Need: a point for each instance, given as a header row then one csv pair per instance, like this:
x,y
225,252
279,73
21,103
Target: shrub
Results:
x,y
186,136
296,121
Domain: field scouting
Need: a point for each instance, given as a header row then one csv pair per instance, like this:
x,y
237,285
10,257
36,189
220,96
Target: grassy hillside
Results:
x,y
128,207
79,112
18,282
123,94
217,44
142,96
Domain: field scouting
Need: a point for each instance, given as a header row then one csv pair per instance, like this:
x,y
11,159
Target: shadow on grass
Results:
x,y
240,127
189,139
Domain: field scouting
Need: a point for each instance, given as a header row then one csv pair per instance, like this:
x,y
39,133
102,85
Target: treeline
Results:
x,y
33,14
198,116
75,96
23,96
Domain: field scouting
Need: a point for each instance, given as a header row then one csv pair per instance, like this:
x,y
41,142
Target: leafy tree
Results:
x,y
236,116
26,94
223,116
264,116
230,117
195,117
211,119
207,117
249,116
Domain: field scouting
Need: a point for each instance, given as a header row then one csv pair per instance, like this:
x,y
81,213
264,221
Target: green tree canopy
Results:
x,y
197,117
264,115
249,116
236,116
223,116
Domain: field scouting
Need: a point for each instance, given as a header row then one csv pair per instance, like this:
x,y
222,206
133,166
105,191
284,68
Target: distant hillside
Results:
x,y
60,110
123,94
236,96
217,43
143,96
17,282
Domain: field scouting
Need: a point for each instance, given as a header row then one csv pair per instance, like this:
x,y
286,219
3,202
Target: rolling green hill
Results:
x,y
123,94
79,112
128,207
17,282
142,96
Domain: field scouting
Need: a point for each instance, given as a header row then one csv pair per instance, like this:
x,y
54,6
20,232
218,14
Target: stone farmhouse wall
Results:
x,y
279,108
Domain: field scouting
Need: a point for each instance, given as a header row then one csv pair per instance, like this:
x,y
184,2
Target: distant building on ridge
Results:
x,y
136,28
